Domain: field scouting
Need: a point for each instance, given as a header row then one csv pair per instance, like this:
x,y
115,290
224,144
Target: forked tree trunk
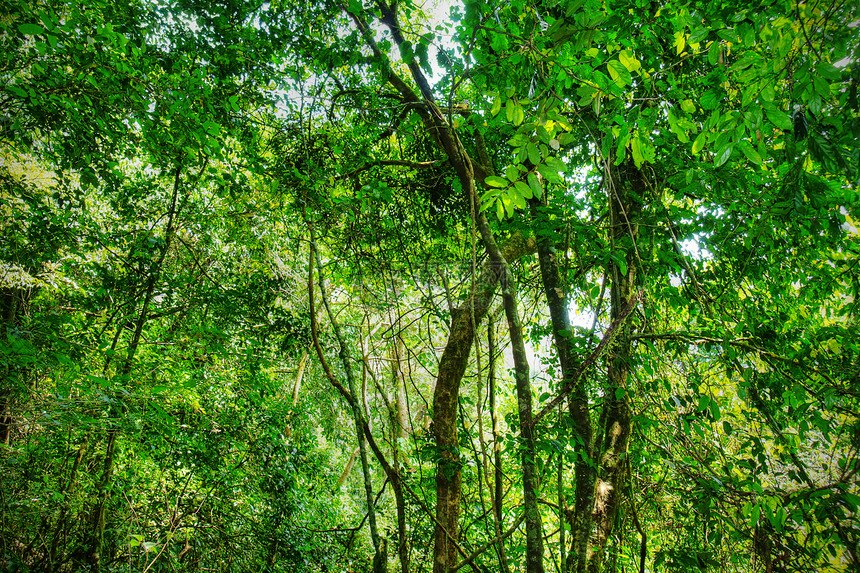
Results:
x,y
468,316
452,367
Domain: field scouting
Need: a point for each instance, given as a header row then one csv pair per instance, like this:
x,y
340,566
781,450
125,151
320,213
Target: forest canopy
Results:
x,y
479,285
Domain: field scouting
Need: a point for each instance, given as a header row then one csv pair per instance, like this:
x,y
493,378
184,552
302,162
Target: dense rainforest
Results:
x,y
482,285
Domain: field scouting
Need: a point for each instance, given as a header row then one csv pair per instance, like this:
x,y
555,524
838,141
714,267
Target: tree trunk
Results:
x,y
348,469
399,433
498,491
579,520
625,196
467,317
452,367
534,527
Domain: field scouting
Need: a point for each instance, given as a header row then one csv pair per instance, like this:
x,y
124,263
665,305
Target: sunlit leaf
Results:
x,y
629,61
534,185
496,107
496,181
722,155
523,189
518,115
619,73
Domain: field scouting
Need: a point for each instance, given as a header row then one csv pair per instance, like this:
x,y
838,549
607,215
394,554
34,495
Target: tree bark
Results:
x,y
625,196
572,382
534,526
498,491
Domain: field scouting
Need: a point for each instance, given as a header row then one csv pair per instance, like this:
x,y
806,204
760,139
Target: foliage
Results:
x,y
243,240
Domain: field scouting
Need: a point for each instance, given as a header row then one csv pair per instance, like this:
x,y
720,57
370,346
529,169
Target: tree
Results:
x,y
229,185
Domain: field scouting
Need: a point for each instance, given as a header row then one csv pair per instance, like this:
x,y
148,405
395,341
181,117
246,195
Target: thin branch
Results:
x,y
607,338
468,560
392,162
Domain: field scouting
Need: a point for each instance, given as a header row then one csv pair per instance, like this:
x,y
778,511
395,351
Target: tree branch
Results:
x,y
607,338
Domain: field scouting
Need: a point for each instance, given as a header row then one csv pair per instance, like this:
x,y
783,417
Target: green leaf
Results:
x,y
543,134
31,29
754,515
709,100
636,150
780,517
586,93
677,128
519,115
714,53
630,62
497,106
523,189
496,181
828,71
778,117
509,205
688,106
715,409
852,500
621,262
555,164
17,91
822,88
595,105
534,154
518,201
723,154
680,42
406,51
750,152
534,184
619,73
